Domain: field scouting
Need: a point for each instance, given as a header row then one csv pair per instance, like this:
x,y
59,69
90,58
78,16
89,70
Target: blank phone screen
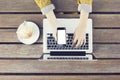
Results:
x,y
61,37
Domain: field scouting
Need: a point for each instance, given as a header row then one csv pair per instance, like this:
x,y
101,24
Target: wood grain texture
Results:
x,y
99,20
106,43
14,20
30,6
106,20
20,51
36,51
99,35
106,35
41,66
106,50
54,77
10,35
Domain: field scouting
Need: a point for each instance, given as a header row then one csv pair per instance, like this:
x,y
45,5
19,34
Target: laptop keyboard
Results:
x,y
52,44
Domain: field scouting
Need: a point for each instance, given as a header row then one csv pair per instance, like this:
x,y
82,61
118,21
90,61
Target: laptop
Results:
x,y
51,51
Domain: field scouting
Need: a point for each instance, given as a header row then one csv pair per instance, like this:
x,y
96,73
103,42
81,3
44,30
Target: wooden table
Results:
x,y
22,62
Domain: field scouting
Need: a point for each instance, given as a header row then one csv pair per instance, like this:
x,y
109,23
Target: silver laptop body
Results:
x,y
56,54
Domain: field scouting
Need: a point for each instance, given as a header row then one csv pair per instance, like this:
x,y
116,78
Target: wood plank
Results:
x,y
18,6
14,20
30,6
106,20
20,51
106,50
41,66
106,6
36,50
79,77
9,35
106,35
99,20
99,35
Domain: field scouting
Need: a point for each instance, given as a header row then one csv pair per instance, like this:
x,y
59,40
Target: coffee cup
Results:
x,y
28,32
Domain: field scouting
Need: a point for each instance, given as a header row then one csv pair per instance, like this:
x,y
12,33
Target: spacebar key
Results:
x,y
56,53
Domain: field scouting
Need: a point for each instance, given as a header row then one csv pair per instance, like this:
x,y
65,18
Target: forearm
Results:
x,y
85,7
83,18
52,19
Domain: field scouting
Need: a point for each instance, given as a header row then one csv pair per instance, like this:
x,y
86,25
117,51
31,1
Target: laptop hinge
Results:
x,y
67,53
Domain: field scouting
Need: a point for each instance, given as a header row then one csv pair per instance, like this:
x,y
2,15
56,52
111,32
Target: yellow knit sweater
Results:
x,y
43,3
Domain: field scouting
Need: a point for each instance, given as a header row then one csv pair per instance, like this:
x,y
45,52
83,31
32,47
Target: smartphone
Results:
x,y
61,35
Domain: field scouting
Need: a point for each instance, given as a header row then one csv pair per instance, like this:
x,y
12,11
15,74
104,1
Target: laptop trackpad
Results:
x,y
67,53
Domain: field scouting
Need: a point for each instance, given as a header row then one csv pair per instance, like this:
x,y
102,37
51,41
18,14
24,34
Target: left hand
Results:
x,y
79,38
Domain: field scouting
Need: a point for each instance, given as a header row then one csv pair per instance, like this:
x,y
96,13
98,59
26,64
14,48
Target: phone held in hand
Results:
x,y
61,36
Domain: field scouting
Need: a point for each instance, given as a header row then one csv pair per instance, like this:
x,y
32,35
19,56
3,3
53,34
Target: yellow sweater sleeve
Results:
x,y
43,3
45,6
89,2
85,5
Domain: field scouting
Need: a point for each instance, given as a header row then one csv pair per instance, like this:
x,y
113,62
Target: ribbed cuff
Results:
x,y
85,7
48,8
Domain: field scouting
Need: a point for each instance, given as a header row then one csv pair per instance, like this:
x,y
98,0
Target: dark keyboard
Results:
x,y
52,44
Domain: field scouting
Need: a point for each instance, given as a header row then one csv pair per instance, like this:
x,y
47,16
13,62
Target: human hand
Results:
x,y
79,37
53,22
54,33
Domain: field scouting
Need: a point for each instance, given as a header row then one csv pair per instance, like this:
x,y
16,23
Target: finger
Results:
x,y
81,42
74,41
84,42
78,44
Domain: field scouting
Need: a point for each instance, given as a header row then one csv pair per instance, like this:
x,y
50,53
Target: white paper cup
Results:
x,y
28,32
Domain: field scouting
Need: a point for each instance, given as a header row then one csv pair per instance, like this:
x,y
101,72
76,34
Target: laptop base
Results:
x,y
86,57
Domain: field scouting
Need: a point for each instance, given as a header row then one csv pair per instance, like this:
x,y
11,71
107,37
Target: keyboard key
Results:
x,y
52,44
